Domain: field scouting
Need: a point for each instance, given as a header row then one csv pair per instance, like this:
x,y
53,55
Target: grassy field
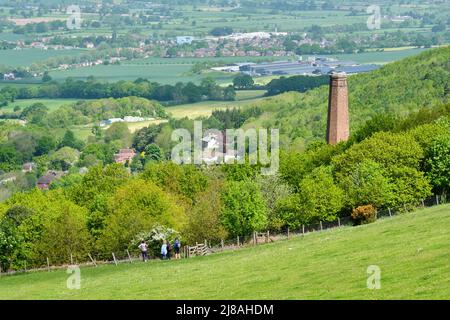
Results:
x,y
205,108
25,57
51,104
171,71
411,251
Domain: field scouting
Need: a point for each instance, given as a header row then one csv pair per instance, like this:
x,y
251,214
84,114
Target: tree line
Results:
x,y
91,88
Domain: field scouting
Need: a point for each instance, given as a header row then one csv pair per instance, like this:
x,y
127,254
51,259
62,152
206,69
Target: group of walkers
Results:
x,y
166,250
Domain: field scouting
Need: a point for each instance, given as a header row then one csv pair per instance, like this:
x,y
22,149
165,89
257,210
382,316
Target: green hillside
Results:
x,y
399,87
411,250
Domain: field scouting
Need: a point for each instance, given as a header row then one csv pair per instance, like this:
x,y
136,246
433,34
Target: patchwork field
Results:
x,y
25,57
205,108
411,251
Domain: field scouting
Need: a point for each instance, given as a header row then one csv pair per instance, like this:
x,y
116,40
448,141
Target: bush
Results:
x,y
154,239
364,214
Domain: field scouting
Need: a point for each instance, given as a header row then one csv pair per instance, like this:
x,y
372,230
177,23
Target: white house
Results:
x,y
9,76
185,40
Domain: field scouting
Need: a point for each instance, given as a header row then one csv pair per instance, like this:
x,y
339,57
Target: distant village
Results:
x,y
254,44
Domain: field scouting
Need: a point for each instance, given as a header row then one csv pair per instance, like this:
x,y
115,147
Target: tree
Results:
x,y
12,247
273,191
221,31
45,144
9,157
410,186
437,163
319,197
185,180
64,236
98,184
229,94
145,136
244,209
153,153
135,207
118,131
203,220
35,113
368,184
64,158
46,77
243,81
69,140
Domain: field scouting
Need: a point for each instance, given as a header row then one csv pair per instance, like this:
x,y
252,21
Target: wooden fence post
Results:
x,y
206,243
321,227
268,236
114,257
339,222
238,241
93,261
129,257
303,229
48,265
423,204
390,213
221,244
437,199
71,259
288,235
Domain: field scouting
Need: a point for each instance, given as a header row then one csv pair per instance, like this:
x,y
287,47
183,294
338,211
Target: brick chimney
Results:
x,y
338,122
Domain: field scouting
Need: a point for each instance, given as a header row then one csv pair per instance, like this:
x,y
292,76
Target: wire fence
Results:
x,y
209,247
271,236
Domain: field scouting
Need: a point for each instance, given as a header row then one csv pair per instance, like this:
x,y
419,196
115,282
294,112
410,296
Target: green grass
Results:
x,y
25,57
205,108
412,251
51,104
163,73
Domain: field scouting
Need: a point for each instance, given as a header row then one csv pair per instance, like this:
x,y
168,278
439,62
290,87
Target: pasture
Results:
x,y
410,250
205,108
51,104
25,57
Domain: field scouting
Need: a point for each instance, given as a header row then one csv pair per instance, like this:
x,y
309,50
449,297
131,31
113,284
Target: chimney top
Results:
x,y
339,75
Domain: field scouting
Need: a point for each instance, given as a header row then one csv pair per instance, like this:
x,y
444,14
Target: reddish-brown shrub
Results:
x,y
364,214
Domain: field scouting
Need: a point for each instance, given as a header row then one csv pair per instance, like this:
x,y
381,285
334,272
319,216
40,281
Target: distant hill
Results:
x,y
400,87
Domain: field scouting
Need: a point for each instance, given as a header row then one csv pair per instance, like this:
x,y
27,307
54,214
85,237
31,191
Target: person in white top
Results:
x,y
144,248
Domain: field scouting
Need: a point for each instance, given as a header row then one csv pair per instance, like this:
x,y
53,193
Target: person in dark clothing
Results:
x,y
169,250
176,248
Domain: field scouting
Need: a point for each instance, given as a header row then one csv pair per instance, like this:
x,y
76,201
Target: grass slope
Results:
x,y
411,250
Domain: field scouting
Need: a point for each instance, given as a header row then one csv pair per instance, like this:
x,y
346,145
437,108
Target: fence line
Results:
x,y
201,249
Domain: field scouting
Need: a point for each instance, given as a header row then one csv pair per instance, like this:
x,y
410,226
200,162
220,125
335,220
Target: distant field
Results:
x,y
389,55
25,57
410,250
52,104
171,71
205,108
162,73
134,126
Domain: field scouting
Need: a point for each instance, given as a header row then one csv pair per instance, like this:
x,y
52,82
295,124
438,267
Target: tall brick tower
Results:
x,y
338,122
